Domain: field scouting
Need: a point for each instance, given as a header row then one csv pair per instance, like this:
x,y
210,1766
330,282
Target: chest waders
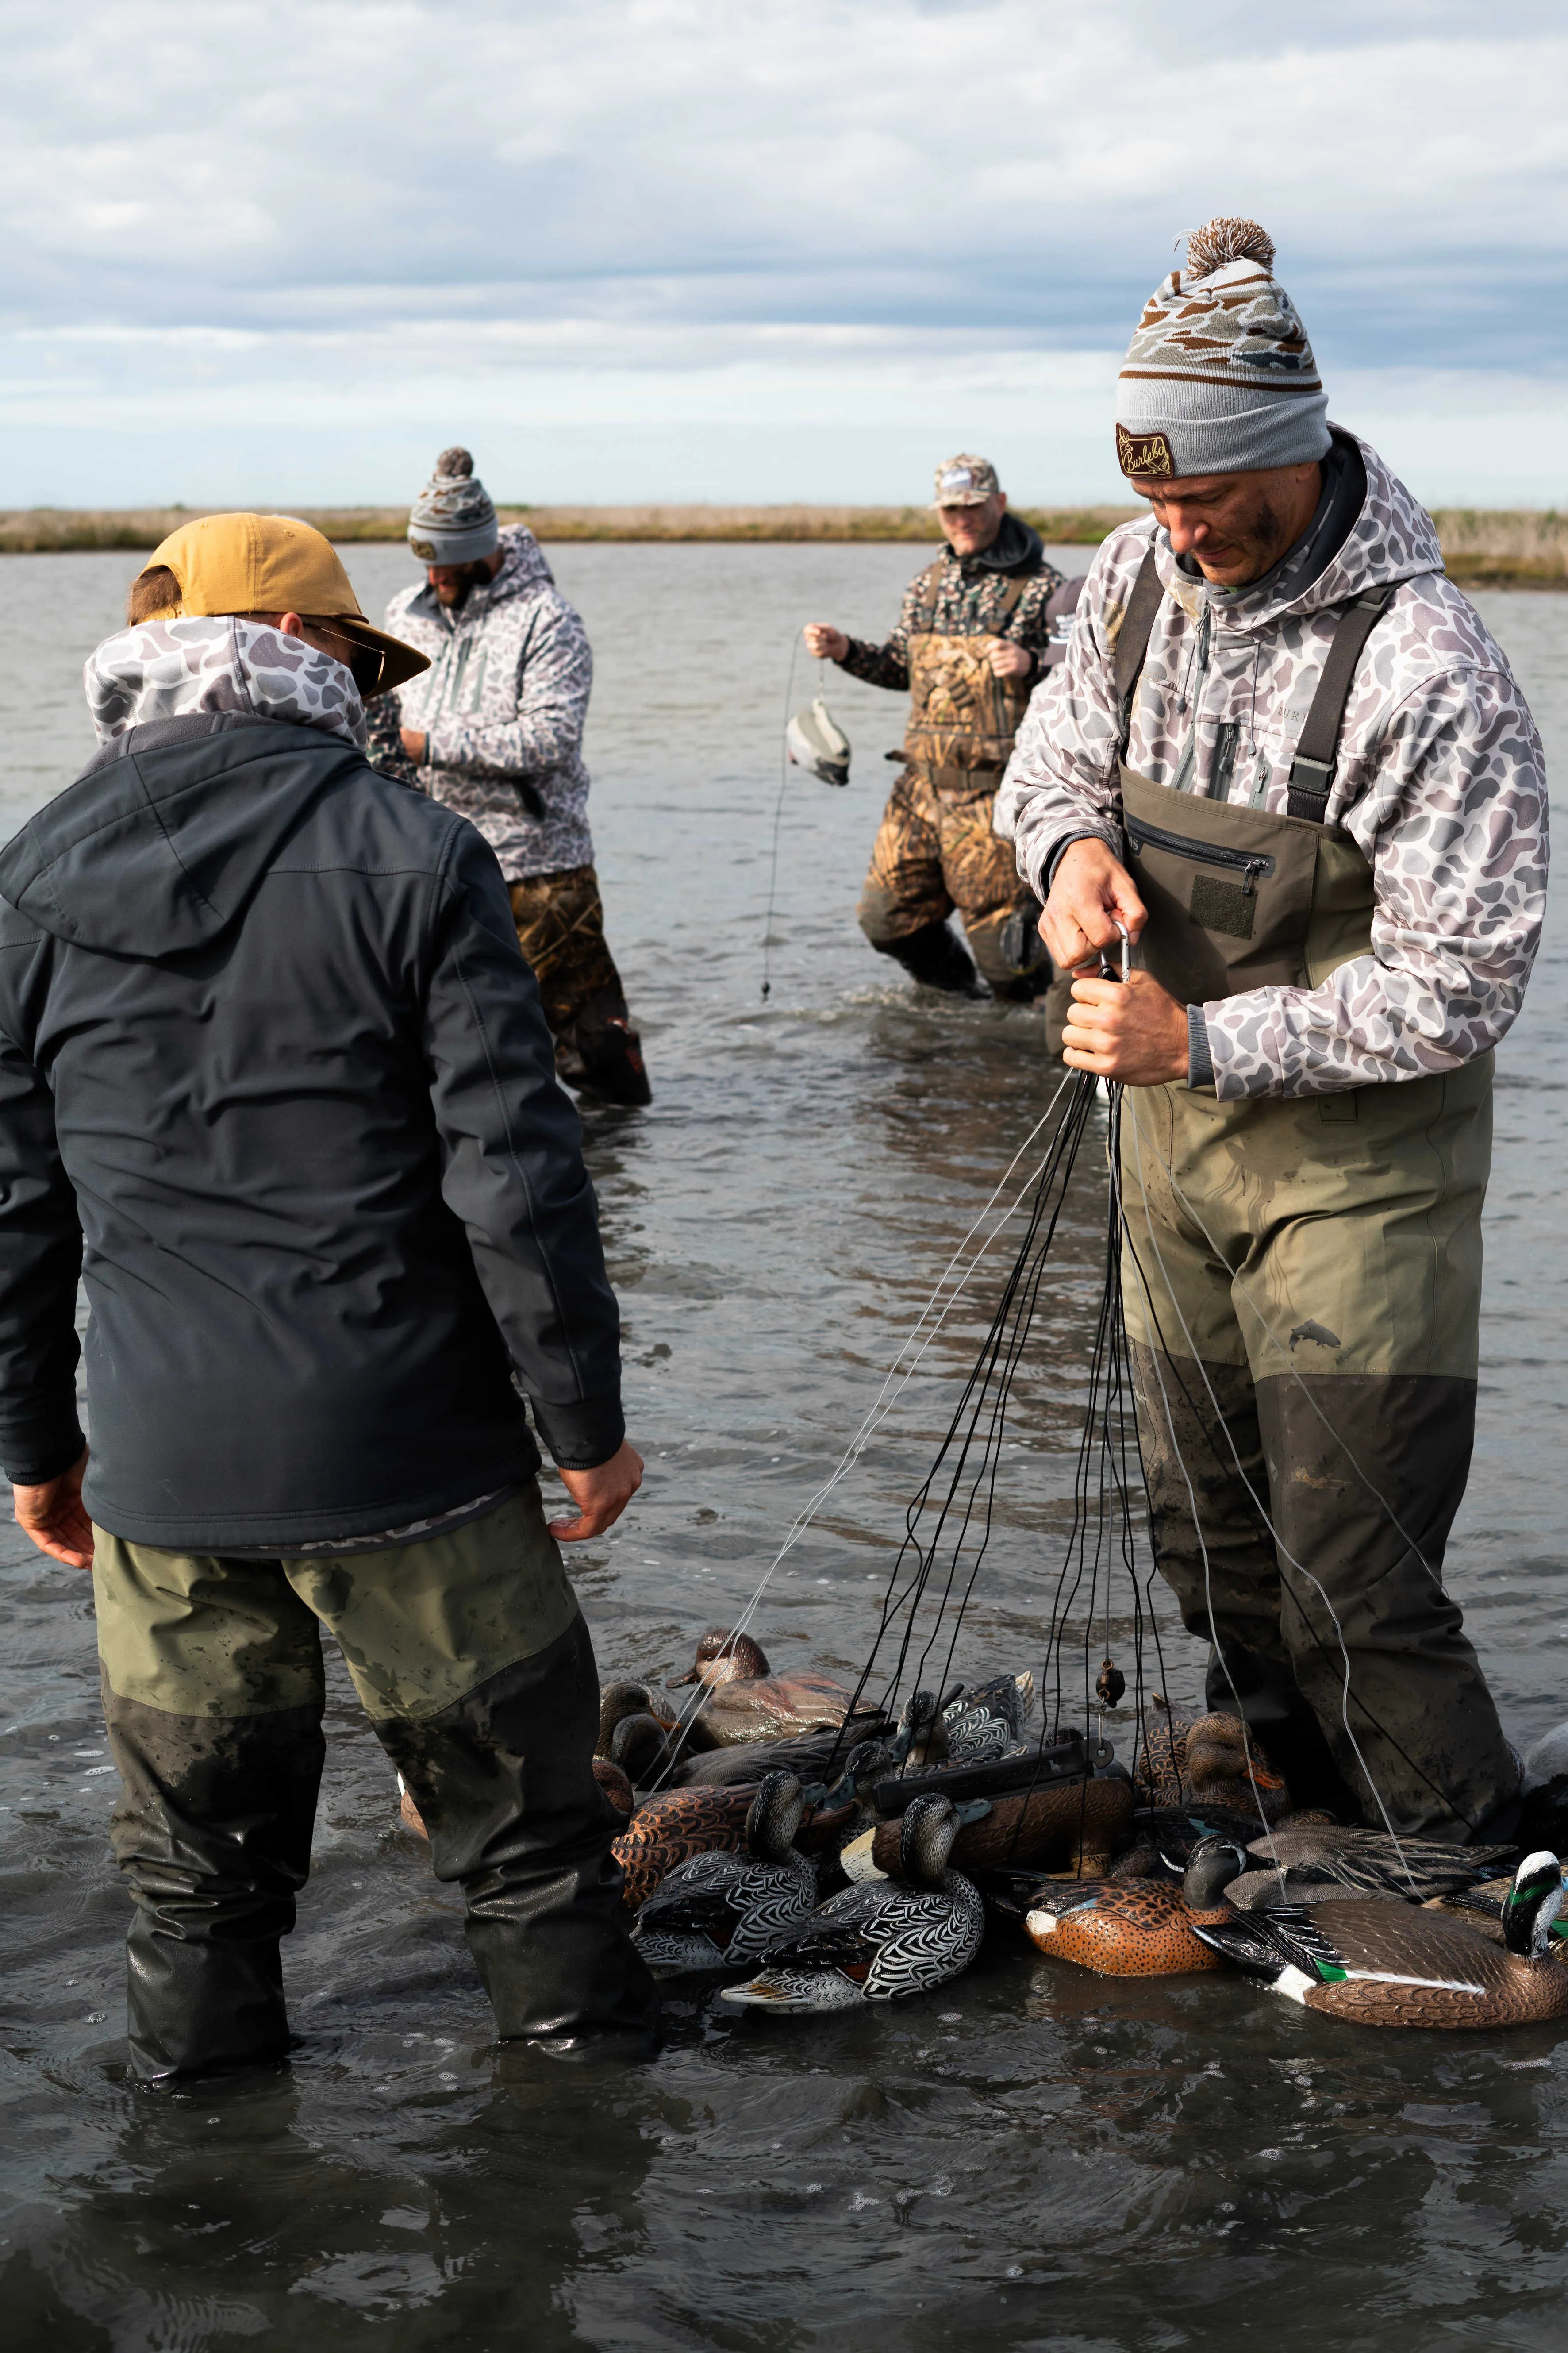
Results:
x,y
1302,1282
935,850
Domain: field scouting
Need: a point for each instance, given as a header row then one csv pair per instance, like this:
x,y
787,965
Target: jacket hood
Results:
x,y
1391,538
1016,544
161,844
167,669
523,573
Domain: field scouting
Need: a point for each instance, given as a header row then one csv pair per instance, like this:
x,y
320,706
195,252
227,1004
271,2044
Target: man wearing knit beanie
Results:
x,y
1286,807
497,734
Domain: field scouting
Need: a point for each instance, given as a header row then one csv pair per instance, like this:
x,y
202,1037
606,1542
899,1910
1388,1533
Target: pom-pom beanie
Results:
x,y
452,521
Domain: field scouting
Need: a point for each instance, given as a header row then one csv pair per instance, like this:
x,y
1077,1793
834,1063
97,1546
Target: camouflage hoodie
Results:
x,y
1441,781
503,703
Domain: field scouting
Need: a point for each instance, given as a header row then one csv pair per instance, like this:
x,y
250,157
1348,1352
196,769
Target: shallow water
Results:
x,y
1033,2157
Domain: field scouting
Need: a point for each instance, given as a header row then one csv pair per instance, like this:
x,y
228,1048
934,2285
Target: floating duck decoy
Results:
x,y
1162,1837
987,1719
1076,1824
1300,1865
1376,1962
745,1701
813,1756
715,1910
873,1943
1137,1927
1215,1761
672,1825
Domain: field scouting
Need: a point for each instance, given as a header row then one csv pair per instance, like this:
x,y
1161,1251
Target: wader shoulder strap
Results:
x,y
1312,769
928,581
1133,640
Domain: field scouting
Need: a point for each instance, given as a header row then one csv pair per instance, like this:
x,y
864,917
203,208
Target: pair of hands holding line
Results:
x,y
53,1515
1130,1030
1007,660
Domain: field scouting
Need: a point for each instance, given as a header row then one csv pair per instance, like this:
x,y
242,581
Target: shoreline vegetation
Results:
x,y
1483,548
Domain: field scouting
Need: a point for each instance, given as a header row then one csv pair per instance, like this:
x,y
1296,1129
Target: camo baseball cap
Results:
x,y
965,481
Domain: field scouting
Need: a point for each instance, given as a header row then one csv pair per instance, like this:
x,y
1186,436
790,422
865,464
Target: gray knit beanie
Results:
x,y
452,521
1220,379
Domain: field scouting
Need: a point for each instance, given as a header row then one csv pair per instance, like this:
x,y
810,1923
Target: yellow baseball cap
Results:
x,y
274,563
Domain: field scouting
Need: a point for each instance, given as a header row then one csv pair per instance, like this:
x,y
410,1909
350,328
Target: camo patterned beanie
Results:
x,y
1220,379
452,521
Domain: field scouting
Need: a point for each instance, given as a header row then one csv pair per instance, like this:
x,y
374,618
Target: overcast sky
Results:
x,y
284,250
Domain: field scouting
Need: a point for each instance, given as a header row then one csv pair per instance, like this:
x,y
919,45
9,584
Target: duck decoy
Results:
x,y
987,1719
1215,1761
620,1700
1376,1962
745,1701
813,1756
1077,1825
715,1910
889,1938
672,1825
1137,1927
1297,1864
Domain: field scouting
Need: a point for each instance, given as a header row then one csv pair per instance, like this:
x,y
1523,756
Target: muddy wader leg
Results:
x,y
212,1695
905,904
1332,1247
475,1666
560,921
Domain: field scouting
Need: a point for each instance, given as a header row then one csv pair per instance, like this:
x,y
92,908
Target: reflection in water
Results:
x,y
1030,2157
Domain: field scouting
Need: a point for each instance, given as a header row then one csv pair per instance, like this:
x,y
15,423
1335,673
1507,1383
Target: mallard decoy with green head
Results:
x,y
878,1942
714,1910
1376,1962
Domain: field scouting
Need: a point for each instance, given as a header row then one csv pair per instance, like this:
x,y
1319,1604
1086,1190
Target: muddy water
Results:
x,y
1033,2158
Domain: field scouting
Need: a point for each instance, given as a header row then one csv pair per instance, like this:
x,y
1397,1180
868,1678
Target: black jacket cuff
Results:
x,y
34,1451
1200,1061
583,1435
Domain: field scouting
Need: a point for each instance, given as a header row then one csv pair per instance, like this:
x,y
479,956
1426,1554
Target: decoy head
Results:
x,y
857,1770
775,1817
723,1657
616,1702
920,1728
1221,1749
1213,1863
636,1745
615,1786
925,1841
1531,1905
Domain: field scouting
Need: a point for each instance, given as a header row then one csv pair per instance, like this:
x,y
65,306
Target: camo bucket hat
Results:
x,y
453,519
1219,377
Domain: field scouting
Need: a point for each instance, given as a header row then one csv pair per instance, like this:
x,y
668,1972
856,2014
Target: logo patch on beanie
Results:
x,y
1144,453
425,549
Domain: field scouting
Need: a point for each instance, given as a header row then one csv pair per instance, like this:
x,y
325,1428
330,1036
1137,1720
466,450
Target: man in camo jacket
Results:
x,y
1335,916
495,732
978,628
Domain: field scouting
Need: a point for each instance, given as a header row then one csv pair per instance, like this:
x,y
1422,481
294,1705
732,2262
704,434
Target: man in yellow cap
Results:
x,y
275,1080
978,630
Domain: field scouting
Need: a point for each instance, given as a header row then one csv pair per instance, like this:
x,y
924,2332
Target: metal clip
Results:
x,y
1107,969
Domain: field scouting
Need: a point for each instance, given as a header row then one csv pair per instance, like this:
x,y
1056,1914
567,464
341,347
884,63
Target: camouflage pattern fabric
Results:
x,y
504,699
560,924
170,669
1440,782
935,852
968,601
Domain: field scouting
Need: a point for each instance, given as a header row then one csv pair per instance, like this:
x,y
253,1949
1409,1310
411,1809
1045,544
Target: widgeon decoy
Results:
x,y
1301,1865
745,1701
878,1942
1375,1962
716,1910
1137,1927
1075,1823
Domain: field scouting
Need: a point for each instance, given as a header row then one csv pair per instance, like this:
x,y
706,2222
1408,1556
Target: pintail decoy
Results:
x,y
1297,1864
745,1701
1375,1962
715,1910
889,1938
1137,1927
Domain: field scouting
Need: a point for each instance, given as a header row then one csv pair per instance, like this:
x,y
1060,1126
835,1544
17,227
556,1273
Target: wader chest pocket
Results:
x,y
1217,905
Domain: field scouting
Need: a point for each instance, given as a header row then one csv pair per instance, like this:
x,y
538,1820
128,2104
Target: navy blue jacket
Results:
x,y
274,1077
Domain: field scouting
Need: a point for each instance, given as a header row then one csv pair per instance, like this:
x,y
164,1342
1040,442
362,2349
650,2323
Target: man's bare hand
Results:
x,y
1092,889
1132,1031
600,1494
52,1515
824,641
415,743
1008,660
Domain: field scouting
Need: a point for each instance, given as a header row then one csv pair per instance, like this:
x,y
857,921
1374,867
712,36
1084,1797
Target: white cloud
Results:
x,y
277,253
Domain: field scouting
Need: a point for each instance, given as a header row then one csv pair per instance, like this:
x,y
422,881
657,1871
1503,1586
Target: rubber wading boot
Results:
x,y
504,1781
610,1052
936,957
212,1834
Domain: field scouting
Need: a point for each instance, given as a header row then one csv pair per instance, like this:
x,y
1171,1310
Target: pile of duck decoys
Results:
x,y
826,1855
